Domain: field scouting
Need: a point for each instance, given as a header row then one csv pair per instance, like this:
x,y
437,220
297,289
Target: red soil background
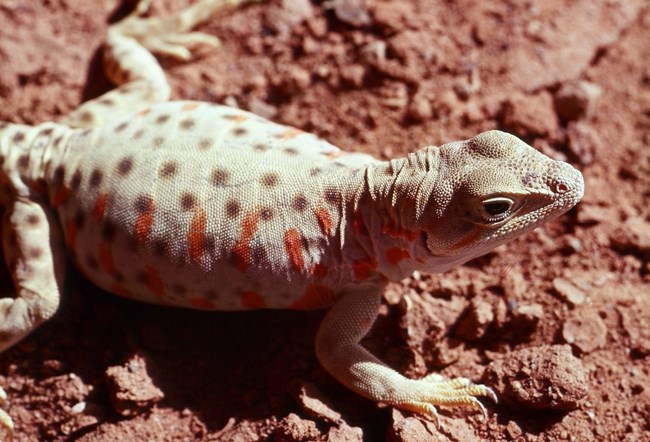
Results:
x,y
557,321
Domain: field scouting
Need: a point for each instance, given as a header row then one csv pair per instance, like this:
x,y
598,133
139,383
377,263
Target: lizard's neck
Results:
x,y
391,209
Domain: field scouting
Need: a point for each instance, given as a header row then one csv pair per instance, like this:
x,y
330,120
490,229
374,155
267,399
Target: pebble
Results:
x,y
569,292
576,100
585,331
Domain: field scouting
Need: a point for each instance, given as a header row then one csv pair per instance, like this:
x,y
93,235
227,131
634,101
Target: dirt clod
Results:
x,y
544,377
132,390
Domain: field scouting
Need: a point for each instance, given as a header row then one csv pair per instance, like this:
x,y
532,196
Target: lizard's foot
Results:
x,y
6,423
170,35
435,390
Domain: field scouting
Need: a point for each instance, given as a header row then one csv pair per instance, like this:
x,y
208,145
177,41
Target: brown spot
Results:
x,y
91,262
161,119
160,247
35,253
120,127
96,178
157,141
46,132
270,179
290,151
261,147
187,124
58,175
79,220
315,171
188,201
299,203
32,220
143,204
76,180
239,131
220,177
179,289
266,213
124,166
138,134
332,196
108,231
168,169
106,102
57,141
205,143
86,117
19,137
233,208
23,162
258,254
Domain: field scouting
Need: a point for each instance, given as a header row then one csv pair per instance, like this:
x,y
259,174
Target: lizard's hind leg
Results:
x,y
130,65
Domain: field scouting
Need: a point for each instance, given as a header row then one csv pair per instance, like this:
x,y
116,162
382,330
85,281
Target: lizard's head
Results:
x,y
489,190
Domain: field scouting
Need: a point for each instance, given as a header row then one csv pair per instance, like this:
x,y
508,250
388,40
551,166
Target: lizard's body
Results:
x,y
198,205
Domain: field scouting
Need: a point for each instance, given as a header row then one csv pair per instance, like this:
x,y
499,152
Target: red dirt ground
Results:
x,y
557,321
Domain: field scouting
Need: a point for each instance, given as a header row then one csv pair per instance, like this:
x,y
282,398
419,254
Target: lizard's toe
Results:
x,y
6,423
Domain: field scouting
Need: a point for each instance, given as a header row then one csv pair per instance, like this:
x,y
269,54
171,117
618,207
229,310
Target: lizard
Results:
x,y
199,205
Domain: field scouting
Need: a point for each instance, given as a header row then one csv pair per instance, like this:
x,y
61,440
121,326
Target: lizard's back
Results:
x,y
202,205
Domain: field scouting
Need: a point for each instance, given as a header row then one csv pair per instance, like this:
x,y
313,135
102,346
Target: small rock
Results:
x,y
294,429
290,13
344,433
262,108
53,367
353,75
583,142
314,403
131,389
544,377
576,100
406,429
530,115
420,109
590,214
525,319
633,237
585,331
352,12
569,292
476,320
374,52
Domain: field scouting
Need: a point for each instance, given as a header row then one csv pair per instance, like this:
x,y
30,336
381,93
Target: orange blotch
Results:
x,y
294,249
196,235
60,197
153,282
290,133
318,270
315,297
201,303
144,112
324,220
397,232
39,186
394,255
100,207
236,118
106,258
362,268
335,154
241,251
190,106
70,234
143,223
251,300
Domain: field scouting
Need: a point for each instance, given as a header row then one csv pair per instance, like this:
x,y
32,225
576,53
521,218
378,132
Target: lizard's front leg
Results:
x,y
339,351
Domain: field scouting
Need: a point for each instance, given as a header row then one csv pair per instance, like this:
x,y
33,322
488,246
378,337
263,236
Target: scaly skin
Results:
x,y
204,206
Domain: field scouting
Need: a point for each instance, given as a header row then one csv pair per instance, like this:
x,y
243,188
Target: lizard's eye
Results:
x,y
496,209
